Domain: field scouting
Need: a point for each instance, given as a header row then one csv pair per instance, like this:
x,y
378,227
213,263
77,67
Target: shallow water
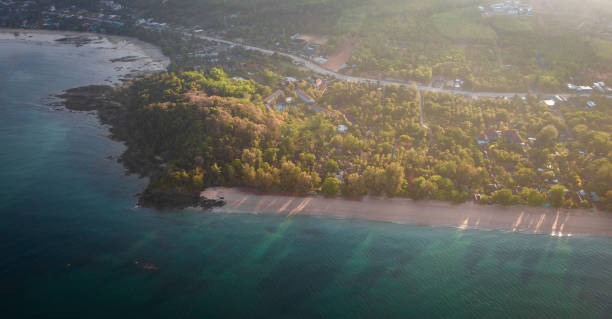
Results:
x,y
73,246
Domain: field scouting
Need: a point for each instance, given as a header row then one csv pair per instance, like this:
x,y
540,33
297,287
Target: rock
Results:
x,y
211,203
170,199
130,58
87,98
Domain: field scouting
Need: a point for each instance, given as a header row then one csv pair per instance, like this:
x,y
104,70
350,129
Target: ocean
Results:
x,y
73,244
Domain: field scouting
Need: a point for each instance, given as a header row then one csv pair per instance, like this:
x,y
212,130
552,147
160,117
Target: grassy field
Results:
x,y
508,24
602,48
463,25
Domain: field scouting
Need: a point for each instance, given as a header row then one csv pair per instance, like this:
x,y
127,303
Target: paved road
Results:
x,y
318,69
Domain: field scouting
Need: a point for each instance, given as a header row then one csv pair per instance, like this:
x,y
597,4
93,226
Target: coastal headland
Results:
x,y
112,109
538,220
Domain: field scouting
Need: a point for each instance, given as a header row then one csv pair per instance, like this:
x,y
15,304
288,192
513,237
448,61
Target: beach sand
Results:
x,y
139,57
539,220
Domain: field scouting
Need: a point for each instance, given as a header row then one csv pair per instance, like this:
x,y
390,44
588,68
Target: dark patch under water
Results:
x,y
72,246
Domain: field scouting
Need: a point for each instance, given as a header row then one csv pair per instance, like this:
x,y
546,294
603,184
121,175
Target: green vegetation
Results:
x,y
462,25
422,40
202,130
413,40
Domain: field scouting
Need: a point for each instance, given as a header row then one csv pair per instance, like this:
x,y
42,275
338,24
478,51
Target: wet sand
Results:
x,y
135,57
539,220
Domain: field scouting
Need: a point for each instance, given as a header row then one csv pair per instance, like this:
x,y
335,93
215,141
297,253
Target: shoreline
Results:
x,y
524,219
144,57
540,220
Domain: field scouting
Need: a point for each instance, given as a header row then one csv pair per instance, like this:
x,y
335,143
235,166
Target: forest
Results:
x,y
419,40
208,129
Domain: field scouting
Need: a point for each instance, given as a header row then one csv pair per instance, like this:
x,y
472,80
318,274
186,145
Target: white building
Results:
x,y
320,60
550,103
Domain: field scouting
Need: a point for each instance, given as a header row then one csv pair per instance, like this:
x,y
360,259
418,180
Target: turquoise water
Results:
x,y
72,244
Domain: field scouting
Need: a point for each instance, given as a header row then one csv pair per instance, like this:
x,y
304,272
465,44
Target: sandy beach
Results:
x,y
131,56
539,220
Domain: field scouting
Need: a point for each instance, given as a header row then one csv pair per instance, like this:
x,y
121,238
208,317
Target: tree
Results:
x,y
266,179
608,200
503,196
331,186
465,174
304,183
422,188
353,186
524,176
251,156
289,176
448,169
394,178
557,195
374,179
331,166
548,134
532,197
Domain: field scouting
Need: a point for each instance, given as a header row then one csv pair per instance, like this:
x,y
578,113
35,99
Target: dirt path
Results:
x,y
340,57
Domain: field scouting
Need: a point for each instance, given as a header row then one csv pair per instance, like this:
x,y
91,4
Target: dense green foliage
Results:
x,y
209,129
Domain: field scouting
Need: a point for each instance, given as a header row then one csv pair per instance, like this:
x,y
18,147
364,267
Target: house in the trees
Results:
x,y
304,97
512,136
272,97
549,103
482,139
492,134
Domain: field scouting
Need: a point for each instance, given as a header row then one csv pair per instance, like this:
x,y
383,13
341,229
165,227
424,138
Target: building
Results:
x,y
509,7
320,60
289,79
342,128
482,139
550,103
304,97
492,134
512,136
272,97
458,84
112,5
600,86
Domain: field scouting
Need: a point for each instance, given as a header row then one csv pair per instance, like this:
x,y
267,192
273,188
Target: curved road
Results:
x,y
318,69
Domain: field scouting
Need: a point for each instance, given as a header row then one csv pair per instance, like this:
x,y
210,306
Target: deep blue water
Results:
x,y
72,245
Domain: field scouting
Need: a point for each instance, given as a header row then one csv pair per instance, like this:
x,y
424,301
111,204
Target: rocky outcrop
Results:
x,y
103,100
168,199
